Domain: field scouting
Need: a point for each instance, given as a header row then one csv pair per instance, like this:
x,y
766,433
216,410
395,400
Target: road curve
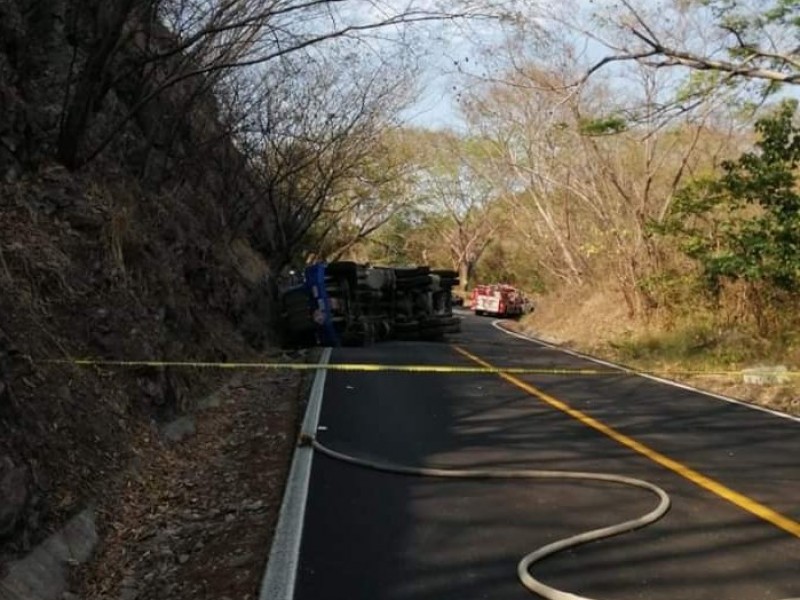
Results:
x,y
375,536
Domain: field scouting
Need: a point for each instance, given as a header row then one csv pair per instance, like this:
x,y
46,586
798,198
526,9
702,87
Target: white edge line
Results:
x,y
281,570
522,336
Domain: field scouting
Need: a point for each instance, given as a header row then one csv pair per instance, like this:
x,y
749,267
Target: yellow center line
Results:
x,y
732,496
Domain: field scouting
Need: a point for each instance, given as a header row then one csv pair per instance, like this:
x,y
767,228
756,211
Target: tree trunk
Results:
x,y
94,80
465,269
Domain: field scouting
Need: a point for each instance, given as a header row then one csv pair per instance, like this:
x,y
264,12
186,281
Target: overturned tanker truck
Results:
x,y
350,304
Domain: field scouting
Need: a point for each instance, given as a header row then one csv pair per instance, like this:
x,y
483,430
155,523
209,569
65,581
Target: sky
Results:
x,y
454,48
436,107
459,55
451,53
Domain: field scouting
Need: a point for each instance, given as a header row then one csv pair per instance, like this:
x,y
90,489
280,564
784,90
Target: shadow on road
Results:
x,y
371,535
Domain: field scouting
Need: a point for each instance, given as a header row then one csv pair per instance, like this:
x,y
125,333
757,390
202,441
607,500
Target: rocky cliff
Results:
x,y
130,256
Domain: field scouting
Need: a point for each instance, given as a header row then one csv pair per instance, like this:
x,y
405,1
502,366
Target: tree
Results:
x,y
745,224
85,91
148,47
405,240
584,176
457,196
382,191
524,123
750,39
314,137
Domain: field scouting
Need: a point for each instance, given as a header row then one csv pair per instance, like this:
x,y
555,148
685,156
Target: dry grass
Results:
x,y
596,322
248,263
580,318
191,521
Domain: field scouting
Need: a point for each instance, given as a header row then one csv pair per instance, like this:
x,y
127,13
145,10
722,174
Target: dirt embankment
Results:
x,y
194,518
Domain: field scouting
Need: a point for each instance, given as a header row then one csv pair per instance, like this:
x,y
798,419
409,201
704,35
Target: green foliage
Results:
x,y
745,224
389,245
700,343
603,126
785,12
506,262
760,33
685,343
731,14
674,289
699,84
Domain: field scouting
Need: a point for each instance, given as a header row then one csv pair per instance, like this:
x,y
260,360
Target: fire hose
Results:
x,y
527,561
525,564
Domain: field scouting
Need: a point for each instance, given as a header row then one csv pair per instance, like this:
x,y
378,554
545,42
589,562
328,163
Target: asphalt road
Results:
x,y
733,474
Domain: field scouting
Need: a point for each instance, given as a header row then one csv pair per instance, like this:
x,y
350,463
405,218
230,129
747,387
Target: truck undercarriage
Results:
x,y
346,303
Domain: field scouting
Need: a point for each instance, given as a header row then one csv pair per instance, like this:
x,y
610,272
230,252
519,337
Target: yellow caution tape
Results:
x,y
402,368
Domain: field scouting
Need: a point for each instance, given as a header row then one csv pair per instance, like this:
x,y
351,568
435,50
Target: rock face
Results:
x,y
766,375
14,493
178,430
42,575
128,257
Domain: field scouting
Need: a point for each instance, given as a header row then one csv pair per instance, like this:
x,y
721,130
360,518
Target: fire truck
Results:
x,y
349,304
499,299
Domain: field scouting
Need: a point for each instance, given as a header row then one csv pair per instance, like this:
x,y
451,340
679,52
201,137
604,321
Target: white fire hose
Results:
x,y
525,564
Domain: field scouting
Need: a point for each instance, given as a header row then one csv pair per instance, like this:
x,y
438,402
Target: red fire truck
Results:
x,y
498,299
